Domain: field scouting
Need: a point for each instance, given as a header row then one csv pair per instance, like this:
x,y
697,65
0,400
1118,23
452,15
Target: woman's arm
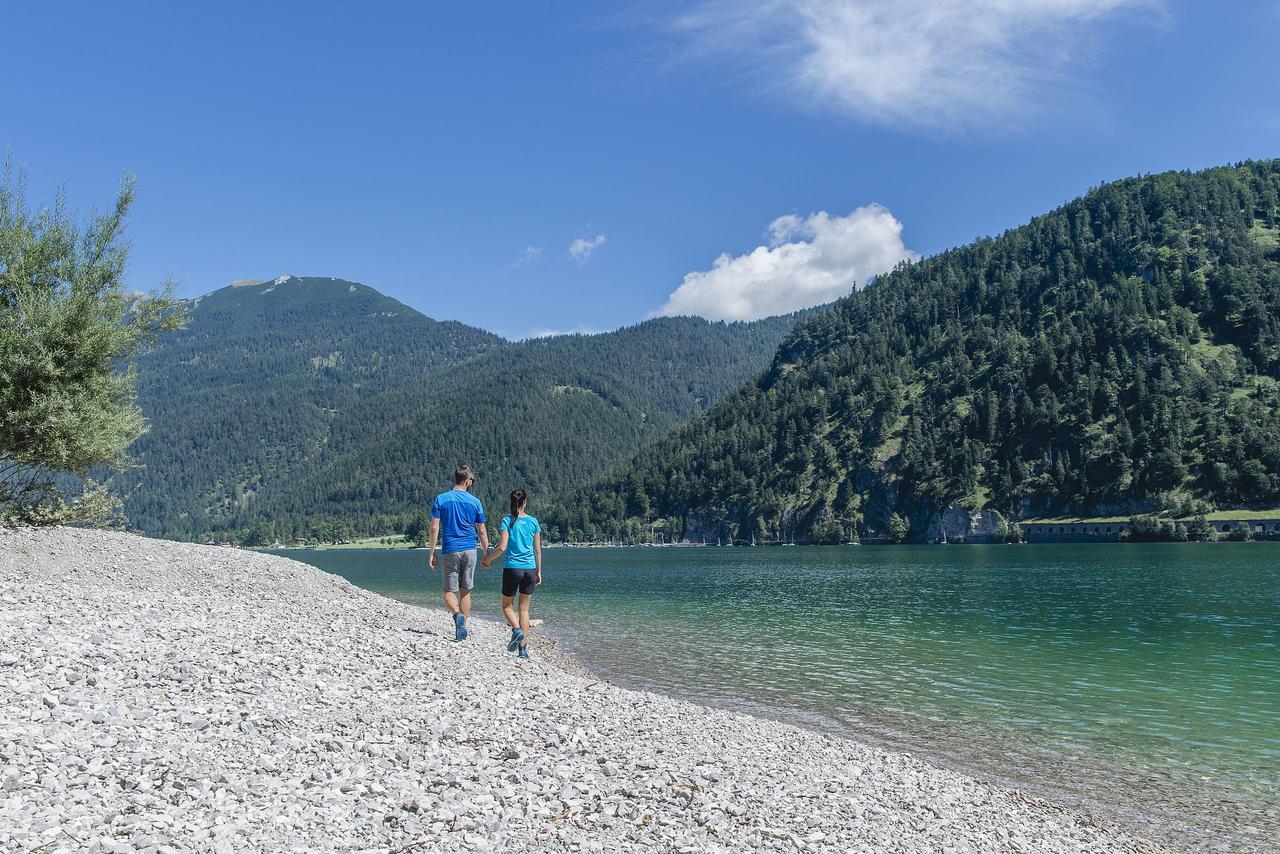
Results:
x,y
537,558
493,555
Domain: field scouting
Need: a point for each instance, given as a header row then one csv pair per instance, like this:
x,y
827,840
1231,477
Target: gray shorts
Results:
x,y
458,570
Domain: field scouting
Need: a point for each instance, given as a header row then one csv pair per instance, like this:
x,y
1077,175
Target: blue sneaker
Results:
x,y
524,651
517,638
459,627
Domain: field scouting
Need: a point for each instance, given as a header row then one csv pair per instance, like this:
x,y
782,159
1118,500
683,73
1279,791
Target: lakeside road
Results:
x,y
164,696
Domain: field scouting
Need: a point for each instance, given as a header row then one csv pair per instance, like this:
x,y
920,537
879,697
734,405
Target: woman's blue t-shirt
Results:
x,y
520,542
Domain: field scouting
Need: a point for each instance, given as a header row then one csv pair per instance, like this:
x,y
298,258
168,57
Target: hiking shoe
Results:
x,y
524,651
517,638
459,627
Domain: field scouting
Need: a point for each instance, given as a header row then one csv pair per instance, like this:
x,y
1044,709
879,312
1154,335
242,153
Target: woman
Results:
x,y
520,536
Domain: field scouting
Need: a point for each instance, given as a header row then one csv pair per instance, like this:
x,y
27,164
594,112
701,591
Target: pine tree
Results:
x,y
67,329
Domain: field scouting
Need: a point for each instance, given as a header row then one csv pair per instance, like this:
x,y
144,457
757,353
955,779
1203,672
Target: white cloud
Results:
x,y
582,249
808,261
912,62
528,255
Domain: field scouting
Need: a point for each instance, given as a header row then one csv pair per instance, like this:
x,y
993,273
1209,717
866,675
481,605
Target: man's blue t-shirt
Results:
x,y
520,542
458,512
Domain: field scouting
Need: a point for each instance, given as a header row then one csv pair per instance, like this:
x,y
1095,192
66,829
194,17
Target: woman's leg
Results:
x,y
510,612
526,599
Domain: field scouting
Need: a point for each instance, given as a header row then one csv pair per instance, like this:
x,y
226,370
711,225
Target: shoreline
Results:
x,y
1174,828
1176,831
164,696
1081,539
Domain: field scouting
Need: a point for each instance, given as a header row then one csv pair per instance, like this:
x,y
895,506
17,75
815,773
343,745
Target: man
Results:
x,y
459,515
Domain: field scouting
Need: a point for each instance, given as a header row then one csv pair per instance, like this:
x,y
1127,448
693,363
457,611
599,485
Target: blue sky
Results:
x,y
451,155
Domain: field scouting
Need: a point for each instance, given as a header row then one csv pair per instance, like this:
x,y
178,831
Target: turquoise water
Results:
x,y
1138,682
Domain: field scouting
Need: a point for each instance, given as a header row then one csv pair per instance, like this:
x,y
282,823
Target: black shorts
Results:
x,y
518,579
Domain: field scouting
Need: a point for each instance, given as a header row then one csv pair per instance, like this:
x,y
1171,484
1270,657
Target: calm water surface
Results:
x,y
1136,682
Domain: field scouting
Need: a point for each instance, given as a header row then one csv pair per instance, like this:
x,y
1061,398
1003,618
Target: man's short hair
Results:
x,y
462,474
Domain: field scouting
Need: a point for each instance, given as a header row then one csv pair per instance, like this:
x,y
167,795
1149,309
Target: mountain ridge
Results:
x,y
1117,353
302,398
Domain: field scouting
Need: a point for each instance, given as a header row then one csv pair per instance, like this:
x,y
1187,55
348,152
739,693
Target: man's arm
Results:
x,y
435,532
482,534
496,553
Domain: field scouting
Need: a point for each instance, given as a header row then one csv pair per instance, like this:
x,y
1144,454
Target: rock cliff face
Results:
x,y
956,524
698,529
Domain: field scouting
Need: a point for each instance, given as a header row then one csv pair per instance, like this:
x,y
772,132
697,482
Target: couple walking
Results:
x,y
459,517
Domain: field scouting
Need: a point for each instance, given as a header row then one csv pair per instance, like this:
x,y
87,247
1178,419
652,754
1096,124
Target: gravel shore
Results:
x,y
161,696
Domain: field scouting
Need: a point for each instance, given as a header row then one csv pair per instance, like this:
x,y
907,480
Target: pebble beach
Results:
x,y
159,696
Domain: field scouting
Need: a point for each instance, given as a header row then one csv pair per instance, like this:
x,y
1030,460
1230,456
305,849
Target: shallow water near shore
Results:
x,y
1139,683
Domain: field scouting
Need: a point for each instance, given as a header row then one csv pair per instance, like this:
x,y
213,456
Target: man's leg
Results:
x,y
466,580
455,580
449,577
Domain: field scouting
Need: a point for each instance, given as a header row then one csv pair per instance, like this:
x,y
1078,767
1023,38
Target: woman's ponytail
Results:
x,y
518,497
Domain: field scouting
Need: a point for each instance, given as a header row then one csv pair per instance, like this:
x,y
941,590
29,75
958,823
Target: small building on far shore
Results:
x,y
1102,530
1072,530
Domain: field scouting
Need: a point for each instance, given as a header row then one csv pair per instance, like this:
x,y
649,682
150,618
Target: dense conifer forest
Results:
x,y
320,408
1117,355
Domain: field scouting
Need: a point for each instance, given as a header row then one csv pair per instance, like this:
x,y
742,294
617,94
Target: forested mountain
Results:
x,y
1119,354
248,394
545,415
306,400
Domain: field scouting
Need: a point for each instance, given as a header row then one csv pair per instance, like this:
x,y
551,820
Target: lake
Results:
x,y
1137,682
